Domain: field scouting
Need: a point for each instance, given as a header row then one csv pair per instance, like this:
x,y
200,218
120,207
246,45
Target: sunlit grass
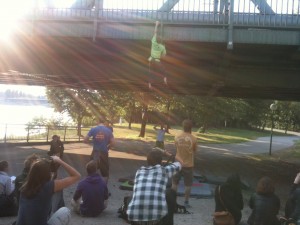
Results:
x,y
291,154
218,136
228,135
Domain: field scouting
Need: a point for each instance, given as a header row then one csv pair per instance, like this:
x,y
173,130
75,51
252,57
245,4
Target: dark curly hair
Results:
x,y
154,157
265,186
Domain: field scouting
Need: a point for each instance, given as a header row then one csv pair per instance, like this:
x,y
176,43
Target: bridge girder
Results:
x,y
194,68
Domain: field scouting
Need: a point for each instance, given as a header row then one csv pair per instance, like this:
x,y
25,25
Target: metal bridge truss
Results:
x,y
233,21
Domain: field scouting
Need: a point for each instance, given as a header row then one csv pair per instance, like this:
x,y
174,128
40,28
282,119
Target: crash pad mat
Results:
x,y
126,185
199,189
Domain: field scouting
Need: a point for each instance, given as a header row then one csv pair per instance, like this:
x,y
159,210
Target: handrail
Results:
x,y
259,14
21,133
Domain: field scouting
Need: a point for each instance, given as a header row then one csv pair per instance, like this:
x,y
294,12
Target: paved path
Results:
x,y
125,163
258,146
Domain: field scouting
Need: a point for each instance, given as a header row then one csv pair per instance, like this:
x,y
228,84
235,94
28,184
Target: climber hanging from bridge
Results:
x,y
158,51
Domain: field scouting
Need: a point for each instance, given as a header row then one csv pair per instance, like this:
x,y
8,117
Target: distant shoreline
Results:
x,y
25,102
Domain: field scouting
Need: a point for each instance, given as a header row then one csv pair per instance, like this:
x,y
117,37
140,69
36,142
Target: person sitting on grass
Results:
x,y
152,202
90,197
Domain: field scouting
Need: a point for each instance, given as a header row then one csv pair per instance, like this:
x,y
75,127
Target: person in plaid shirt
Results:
x,y
151,203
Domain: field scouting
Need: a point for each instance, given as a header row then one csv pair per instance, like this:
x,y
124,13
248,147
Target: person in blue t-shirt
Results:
x,y
160,135
103,139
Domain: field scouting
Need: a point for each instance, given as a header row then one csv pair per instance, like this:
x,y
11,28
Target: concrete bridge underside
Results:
x,y
208,69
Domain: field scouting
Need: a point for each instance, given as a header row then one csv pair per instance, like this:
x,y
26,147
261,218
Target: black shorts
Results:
x,y
160,144
156,71
102,161
187,174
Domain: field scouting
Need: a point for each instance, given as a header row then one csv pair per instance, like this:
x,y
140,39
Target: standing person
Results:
x,y
158,51
264,203
152,203
292,207
93,191
103,139
186,145
228,196
37,191
56,148
20,179
160,136
224,6
8,206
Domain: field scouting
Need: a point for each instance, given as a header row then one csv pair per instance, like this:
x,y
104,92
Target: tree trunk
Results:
x,y
129,123
168,115
132,110
79,123
144,121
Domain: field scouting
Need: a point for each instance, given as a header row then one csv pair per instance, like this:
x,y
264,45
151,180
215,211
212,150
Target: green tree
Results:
x,y
78,103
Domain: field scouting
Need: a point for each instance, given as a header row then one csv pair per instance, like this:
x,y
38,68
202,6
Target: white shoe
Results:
x,y
165,81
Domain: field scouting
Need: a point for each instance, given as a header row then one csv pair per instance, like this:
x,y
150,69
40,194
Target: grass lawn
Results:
x,y
219,136
290,155
225,135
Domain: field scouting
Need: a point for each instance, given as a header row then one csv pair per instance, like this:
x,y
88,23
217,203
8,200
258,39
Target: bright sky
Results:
x,y
33,90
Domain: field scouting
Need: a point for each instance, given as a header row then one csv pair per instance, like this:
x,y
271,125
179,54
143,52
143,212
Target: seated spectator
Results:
x,y
231,194
20,179
151,201
8,206
93,192
264,204
37,191
292,207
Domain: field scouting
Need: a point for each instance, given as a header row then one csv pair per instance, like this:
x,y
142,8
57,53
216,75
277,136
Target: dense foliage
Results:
x,y
84,106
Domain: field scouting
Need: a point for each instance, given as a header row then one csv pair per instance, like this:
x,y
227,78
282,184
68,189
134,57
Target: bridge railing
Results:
x,y
249,13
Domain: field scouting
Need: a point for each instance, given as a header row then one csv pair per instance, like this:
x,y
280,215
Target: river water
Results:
x,y
13,117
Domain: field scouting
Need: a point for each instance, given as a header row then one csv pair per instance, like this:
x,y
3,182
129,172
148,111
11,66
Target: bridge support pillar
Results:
x,y
98,6
230,25
263,7
168,5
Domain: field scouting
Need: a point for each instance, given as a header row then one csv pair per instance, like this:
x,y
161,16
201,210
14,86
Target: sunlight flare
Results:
x,y
10,13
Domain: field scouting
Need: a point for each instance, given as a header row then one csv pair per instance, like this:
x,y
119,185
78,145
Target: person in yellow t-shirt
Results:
x,y
186,145
158,51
